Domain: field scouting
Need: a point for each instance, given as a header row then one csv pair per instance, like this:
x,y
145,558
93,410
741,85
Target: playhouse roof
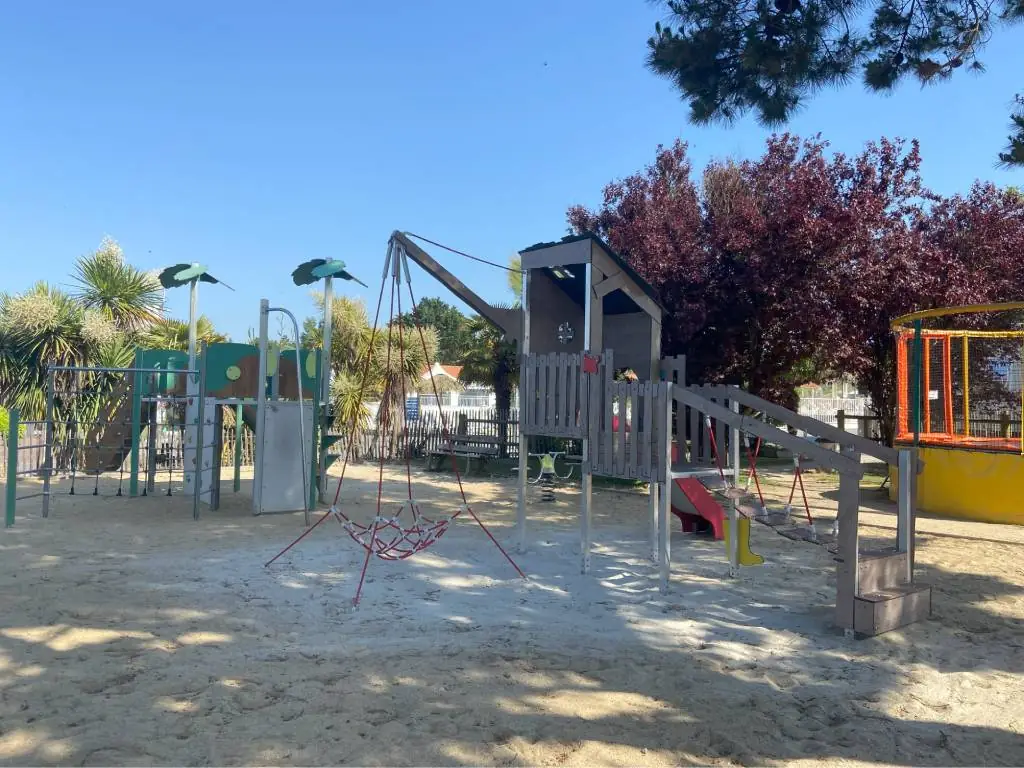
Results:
x,y
619,261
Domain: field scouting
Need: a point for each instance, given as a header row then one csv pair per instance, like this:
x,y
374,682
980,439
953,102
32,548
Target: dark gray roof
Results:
x,y
644,285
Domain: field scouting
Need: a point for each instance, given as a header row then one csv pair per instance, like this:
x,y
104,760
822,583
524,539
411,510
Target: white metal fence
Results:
x,y
860,418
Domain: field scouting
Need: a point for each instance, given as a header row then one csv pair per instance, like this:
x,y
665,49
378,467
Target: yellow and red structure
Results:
x,y
960,402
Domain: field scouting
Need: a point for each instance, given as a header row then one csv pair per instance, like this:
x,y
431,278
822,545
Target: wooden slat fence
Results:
x,y
552,403
628,445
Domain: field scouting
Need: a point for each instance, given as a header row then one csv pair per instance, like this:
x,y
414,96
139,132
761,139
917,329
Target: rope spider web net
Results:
x,y
396,532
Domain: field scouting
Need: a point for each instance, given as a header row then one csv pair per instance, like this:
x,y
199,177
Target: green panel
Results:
x,y
232,370
171,359
309,369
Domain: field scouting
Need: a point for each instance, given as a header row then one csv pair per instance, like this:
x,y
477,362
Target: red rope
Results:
x,y
799,478
714,448
424,531
351,431
752,472
382,411
446,435
807,507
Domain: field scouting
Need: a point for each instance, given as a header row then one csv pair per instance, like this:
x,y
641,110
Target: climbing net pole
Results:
x,y
396,533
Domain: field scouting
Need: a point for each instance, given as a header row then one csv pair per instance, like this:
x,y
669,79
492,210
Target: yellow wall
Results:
x,y
970,485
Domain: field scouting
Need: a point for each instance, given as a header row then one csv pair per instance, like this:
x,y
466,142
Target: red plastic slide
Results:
x,y
692,502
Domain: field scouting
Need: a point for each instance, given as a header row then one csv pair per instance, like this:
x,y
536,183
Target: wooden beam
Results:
x,y
610,284
600,259
809,425
508,321
750,425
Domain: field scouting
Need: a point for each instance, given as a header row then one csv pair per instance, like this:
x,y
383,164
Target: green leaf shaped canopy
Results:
x,y
182,274
317,269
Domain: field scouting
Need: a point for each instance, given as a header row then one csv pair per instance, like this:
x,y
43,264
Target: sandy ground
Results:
x,y
130,634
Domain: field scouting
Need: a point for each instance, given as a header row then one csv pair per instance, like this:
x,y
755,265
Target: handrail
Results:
x,y
924,314
808,424
746,423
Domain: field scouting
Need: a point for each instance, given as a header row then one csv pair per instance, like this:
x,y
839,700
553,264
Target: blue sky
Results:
x,y
254,135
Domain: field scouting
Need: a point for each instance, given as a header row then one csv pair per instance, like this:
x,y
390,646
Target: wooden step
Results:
x,y
880,570
888,609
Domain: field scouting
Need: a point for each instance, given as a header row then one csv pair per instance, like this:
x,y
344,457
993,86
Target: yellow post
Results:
x,y
1021,383
967,393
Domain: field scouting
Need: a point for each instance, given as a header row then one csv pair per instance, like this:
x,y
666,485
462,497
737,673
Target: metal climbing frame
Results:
x,y
22,461
103,421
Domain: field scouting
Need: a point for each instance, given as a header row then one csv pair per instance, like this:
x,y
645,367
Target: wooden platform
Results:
x,y
887,609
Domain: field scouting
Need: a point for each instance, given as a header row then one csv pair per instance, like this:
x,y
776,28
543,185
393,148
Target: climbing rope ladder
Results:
x,y
396,532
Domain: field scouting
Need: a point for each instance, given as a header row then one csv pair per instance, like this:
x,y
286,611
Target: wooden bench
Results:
x,y
476,449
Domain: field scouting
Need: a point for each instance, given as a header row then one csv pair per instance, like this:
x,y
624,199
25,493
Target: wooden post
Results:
x,y
734,509
841,419
847,587
525,404
694,435
650,456
665,475
904,506
593,320
914,470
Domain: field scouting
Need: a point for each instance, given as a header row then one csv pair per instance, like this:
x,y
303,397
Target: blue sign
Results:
x,y
412,408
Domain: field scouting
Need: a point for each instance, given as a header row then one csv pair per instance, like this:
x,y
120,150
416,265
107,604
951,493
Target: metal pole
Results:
x,y
154,388
237,485
50,436
916,409
325,383
13,418
137,386
197,477
261,411
193,301
967,390
734,508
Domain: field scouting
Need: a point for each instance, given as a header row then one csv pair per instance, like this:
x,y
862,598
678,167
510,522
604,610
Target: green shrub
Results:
x,y
5,425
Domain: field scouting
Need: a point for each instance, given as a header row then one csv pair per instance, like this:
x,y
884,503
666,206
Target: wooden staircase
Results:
x,y
887,598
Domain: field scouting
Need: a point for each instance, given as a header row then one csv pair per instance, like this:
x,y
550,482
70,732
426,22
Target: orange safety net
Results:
x,y
971,389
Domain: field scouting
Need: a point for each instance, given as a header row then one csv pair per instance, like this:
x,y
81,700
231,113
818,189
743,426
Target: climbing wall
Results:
x,y
204,434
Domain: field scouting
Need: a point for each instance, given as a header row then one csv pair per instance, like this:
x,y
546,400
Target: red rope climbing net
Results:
x,y
396,532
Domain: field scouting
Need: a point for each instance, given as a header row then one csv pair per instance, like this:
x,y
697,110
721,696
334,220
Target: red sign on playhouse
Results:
x,y
590,363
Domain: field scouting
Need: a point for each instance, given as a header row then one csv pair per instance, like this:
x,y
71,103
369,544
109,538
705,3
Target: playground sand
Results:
x,y
130,634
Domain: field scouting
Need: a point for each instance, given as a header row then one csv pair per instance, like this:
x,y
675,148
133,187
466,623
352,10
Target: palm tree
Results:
x,y
351,414
169,333
396,370
40,328
492,362
125,295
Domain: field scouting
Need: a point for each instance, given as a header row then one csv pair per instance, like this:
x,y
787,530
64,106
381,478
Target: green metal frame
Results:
x,y
915,410
133,479
14,422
